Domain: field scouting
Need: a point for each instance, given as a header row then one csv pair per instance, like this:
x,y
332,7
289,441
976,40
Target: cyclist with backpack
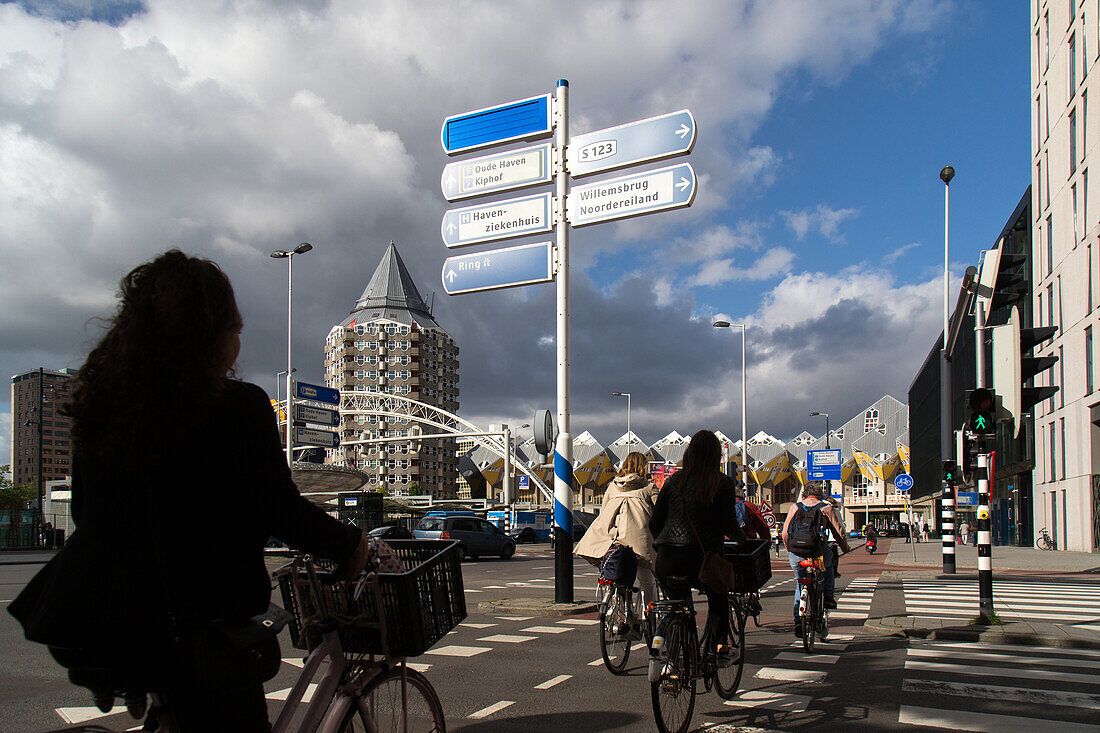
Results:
x,y
748,516
803,535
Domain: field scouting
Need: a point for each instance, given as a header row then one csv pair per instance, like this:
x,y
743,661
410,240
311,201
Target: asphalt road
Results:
x,y
543,674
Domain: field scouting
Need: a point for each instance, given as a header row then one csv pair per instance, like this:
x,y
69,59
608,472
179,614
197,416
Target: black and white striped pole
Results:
x,y
947,516
982,423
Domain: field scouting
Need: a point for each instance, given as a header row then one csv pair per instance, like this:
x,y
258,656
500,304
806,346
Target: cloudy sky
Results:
x,y
230,129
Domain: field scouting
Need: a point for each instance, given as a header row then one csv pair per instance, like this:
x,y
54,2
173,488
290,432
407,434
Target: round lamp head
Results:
x,y
947,174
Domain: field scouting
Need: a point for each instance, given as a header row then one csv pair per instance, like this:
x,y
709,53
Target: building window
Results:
x,y
1050,241
1088,278
1062,427
1046,177
1039,184
1072,65
1088,360
1072,141
1046,40
1076,227
1085,201
1053,466
1061,378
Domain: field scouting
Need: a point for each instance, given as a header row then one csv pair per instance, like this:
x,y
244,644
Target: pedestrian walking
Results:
x,y
964,532
927,533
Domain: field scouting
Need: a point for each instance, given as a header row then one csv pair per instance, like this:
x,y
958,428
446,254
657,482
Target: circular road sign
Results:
x,y
903,482
769,519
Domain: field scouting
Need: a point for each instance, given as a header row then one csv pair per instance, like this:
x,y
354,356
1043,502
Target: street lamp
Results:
x,y
279,254
826,415
629,435
744,400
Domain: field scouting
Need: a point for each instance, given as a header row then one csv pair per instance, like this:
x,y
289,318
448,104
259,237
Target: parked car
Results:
x,y
391,532
475,536
524,534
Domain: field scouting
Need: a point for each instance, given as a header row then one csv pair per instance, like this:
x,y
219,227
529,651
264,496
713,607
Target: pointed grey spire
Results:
x,y
391,286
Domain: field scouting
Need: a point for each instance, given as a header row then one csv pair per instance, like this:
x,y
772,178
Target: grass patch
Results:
x,y
994,620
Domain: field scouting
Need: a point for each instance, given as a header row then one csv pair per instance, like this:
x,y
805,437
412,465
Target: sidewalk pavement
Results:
x,y
930,555
26,557
929,563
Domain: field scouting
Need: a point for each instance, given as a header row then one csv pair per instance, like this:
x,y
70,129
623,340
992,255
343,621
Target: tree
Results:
x,y
14,497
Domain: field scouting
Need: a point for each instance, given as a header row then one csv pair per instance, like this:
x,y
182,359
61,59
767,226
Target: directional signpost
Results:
x,y
823,465
498,220
633,195
496,173
323,438
638,142
316,415
316,393
643,141
499,268
524,119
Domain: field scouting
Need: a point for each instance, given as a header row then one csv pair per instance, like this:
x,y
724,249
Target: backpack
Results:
x,y
742,512
804,535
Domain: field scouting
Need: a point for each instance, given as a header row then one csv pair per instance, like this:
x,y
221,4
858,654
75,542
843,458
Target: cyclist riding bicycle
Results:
x,y
832,538
803,535
694,511
169,543
624,520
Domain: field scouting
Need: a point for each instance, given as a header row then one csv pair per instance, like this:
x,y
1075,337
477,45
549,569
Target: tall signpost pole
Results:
x,y
947,517
563,451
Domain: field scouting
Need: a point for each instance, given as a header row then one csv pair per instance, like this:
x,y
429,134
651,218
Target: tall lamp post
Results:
x,y
629,435
280,254
826,416
947,518
744,401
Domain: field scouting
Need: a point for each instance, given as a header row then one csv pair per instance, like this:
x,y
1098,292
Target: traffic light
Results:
x,y
950,473
982,407
966,454
1012,367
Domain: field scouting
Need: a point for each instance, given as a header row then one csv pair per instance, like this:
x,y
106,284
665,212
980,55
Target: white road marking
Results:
x,y
1014,673
83,715
295,662
1017,648
476,626
580,621
283,694
548,629
459,651
553,681
965,720
818,658
495,707
596,662
514,618
956,655
789,675
771,700
507,638
419,667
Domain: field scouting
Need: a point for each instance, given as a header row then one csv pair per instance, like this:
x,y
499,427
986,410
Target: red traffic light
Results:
x,y
980,399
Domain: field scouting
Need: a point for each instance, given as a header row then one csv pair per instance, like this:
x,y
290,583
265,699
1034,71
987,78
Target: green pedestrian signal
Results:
x,y
982,404
950,473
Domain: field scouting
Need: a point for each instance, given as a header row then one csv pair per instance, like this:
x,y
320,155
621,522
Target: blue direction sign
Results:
x,y
323,438
903,482
494,173
499,268
637,142
524,119
316,393
823,465
498,220
316,415
967,498
639,193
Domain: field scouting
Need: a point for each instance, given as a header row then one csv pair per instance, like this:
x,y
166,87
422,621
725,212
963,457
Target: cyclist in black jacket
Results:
x,y
707,495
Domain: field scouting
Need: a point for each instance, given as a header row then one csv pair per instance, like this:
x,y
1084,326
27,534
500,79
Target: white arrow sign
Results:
x,y
494,173
654,138
639,193
499,220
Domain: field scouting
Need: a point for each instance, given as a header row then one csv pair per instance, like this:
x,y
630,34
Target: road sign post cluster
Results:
x,y
310,420
635,194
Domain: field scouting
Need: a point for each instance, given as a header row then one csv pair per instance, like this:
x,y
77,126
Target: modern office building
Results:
x,y
390,343
50,390
1066,255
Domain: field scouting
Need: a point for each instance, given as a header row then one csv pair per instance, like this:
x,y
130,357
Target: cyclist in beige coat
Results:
x,y
624,520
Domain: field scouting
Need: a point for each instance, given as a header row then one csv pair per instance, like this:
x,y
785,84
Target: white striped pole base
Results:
x,y
985,549
947,526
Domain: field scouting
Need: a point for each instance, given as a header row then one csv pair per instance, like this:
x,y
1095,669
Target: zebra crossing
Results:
x,y
1013,600
854,602
1000,688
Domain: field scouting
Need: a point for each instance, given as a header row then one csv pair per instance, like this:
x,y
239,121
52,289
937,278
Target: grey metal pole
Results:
x,y
947,518
985,554
289,368
506,482
744,415
563,449
37,524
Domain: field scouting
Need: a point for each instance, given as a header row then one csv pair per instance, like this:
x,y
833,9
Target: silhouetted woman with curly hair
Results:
x,y
179,480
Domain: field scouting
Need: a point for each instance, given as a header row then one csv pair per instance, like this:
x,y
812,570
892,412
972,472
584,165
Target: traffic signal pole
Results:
x,y
947,515
985,549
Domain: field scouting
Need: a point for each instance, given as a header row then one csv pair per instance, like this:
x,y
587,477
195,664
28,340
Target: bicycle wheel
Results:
x,y
394,707
727,678
673,695
808,624
822,612
614,645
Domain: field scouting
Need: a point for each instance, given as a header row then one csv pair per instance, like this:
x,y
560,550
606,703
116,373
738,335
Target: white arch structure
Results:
x,y
398,407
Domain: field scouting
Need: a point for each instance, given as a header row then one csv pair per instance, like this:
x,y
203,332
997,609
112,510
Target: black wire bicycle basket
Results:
x,y
752,567
418,606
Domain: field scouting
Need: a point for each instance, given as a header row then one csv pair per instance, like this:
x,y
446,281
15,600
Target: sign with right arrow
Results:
x,y
655,138
632,195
